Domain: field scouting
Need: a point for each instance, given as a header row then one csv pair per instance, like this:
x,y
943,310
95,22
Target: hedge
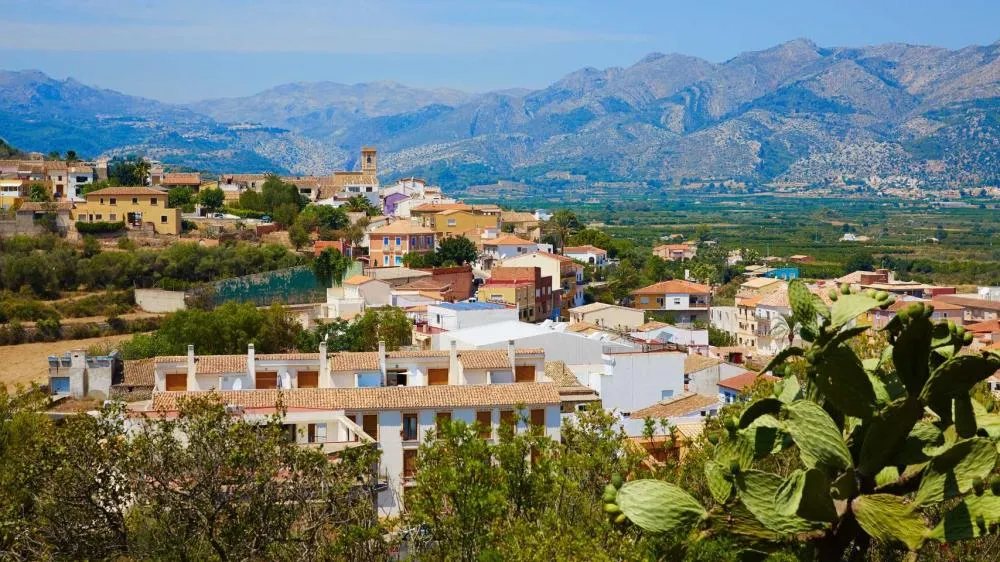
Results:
x,y
99,227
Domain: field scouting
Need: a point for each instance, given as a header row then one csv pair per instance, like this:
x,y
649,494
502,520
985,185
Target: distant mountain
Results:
x,y
794,112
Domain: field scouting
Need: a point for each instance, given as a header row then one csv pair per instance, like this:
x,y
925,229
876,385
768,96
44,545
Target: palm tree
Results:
x,y
141,171
783,328
359,204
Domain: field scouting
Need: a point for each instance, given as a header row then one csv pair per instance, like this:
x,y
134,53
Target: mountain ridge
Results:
x,y
792,112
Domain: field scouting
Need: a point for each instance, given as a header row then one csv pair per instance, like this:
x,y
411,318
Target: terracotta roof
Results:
x,y
139,372
181,179
578,327
402,227
36,207
583,250
987,327
287,357
677,406
682,247
969,302
508,240
354,361
378,398
938,305
651,325
425,284
517,216
593,307
559,373
758,282
777,299
694,363
743,380
674,286
357,280
438,207
492,358
220,364
556,257
124,191
748,301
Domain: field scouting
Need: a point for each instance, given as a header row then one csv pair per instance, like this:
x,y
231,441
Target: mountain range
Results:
x,y
796,112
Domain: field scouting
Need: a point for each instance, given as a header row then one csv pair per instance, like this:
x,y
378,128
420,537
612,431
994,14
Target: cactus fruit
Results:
x,y
610,493
617,481
833,294
845,289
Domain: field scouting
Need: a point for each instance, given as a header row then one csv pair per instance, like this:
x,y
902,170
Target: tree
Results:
x,y
702,232
91,247
859,261
562,225
783,328
276,193
361,204
387,324
888,453
720,338
38,193
131,171
324,216
458,250
750,256
298,235
252,201
71,156
181,198
330,266
285,214
211,199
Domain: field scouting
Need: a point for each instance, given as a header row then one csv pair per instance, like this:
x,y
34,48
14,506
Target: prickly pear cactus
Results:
x,y
880,440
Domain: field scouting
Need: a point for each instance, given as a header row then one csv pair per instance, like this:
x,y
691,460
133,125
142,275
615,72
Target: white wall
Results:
x,y
633,381
558,346
458,319
158,300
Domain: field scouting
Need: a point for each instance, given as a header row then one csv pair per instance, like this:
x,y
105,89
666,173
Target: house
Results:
x,y
694,339
851,237
857,278
975,309
137,207
676,252
563,272
558,345
688,302
521,224
943,311
80,375
682,408
30,216
459,278
389,244
396,276
422,291
448,316
390,398
702,373
503,247
608,315
356,294
522,287
454,222
233,185
731,389
341,246
78,176
175,180
587,254
748,295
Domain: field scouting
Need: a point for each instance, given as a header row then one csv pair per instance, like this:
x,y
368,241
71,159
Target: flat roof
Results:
x,y
470,306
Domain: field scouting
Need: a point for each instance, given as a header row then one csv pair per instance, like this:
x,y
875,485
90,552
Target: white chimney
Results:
x,y
192,381
453,364
381,358
324,366
511,355
252,364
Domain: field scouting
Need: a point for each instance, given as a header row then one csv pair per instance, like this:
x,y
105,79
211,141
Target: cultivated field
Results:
x,y
27,363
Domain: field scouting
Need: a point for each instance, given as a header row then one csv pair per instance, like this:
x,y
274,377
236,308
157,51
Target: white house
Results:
x,y
449,316
694,339
573,349
608,315
633,380
587,254
508,246
702,374
355,295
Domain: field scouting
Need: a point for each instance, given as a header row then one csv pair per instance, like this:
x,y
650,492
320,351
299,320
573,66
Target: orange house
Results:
x,y
390,243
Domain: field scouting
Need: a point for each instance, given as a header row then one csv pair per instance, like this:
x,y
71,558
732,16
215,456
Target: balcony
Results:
x,y
698,304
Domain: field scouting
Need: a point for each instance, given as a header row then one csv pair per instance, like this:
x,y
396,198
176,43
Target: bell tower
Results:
x,y
369,160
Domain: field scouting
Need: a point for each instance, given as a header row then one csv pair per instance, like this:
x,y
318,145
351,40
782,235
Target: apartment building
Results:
x,y
522,287
749,294
687,302
563,272
391,398
138,207
389,244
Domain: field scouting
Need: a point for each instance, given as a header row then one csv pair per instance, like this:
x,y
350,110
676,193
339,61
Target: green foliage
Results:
x,y
131,171
181,198
330,266
890,445
457,250
38,193
100,227
210,198
361,204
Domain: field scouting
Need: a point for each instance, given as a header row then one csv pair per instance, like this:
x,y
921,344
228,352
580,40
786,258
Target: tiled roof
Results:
x,y
139,372
777,299
969,302
379,398
743,380
287,357
758,282
578,327
687,403
583,250
674,286
354,361
987,327
124,191
651,325
517,216
508,240
438,207
181,179
220,364
357,280
425,285
402,227
694,363
559,373
592,307
671,247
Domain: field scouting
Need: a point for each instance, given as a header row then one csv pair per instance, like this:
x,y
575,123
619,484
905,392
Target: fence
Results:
x,y
295,285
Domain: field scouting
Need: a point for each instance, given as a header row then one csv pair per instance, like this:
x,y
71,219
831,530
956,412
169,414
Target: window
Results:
x,y
369,423
267,380
441,418
429,240
102,200
507,417
452,222
113,201
413,241
163,219
669,393
395,377
399,241
644,300
409,463
409,427
99,217
135,201
176,381
524,373
677,301
152,201
659,301
385,240
308,379
538,417
316,433
485,421
436,377
113,217
399,260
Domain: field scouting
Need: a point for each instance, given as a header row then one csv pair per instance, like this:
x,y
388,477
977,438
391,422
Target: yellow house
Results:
x,y
138,207
454,222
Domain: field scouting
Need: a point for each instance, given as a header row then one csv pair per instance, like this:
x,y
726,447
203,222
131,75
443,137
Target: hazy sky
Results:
x,y
184,50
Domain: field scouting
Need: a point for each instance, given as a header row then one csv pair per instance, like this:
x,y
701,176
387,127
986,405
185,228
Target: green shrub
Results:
x,y
48,330
100,227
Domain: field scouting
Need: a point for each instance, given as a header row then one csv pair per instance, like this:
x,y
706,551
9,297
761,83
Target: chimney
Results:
x,y
252,364
381,358
510,354
192,382
324,366
453,364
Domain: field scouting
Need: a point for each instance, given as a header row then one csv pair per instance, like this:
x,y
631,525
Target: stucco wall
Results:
x,y
158,300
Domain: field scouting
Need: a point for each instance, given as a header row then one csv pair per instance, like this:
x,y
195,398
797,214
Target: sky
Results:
x,y
186,50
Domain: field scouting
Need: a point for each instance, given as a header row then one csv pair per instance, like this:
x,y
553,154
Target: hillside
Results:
x,y
794,112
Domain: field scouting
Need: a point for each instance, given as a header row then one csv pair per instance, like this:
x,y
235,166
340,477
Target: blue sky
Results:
x,y
184,50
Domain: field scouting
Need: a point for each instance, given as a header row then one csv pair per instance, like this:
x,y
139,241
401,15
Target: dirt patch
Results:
x,y
28,362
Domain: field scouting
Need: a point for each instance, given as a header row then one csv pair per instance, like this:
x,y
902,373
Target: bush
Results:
x,y
48,330
99,227
244,213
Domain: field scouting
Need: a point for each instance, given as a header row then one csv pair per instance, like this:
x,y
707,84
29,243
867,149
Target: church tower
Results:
x,y
369,160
